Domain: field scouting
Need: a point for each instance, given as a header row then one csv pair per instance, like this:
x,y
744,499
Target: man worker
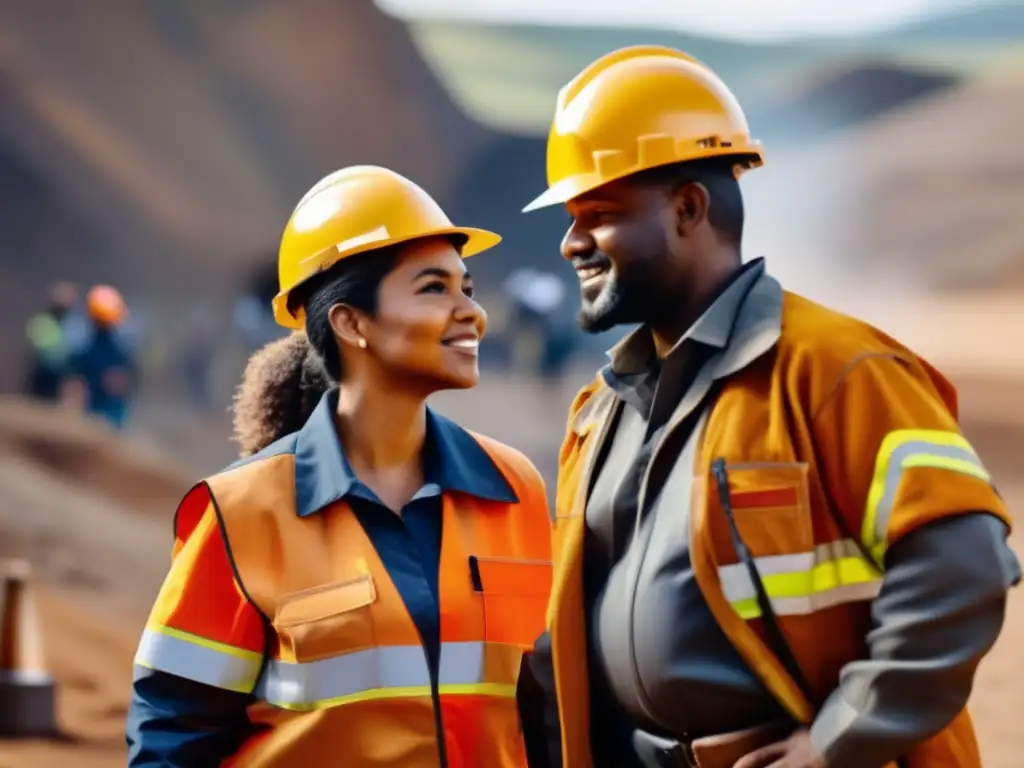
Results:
x,y
47,336
102,372
773,545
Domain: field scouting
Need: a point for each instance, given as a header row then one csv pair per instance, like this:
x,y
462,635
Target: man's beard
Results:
x,y
619,303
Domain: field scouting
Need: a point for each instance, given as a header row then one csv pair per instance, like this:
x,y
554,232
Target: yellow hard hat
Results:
x,y
637,108
357,209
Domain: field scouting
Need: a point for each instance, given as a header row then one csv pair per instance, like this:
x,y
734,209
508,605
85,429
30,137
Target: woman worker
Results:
x,y
359,589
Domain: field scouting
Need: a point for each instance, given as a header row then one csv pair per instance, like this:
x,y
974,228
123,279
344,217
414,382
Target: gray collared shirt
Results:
x,y
659,652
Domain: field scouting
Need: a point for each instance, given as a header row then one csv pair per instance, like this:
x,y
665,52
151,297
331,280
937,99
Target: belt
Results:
x,y
719,751
659,752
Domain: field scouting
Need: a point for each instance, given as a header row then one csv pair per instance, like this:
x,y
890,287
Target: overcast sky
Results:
x,y
729,18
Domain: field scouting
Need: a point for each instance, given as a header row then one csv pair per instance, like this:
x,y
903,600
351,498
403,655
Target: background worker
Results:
x,y
773,545
48,343
102,370
361,589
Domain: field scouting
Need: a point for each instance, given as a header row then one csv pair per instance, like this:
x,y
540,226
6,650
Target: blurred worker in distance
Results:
x,y
252,314
538,316
773,546
197,355
361,588
47,338
101,370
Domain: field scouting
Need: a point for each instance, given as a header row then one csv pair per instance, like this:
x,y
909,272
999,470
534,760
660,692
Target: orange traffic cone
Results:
x,y
26,688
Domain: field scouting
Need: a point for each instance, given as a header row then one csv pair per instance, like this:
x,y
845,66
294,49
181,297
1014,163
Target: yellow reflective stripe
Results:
x,y
192,657
905,449
965,467
498,690
804,582
467,668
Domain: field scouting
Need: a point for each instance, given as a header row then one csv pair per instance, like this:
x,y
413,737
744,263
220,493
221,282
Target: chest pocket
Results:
x,y
327,621
515,598
769,502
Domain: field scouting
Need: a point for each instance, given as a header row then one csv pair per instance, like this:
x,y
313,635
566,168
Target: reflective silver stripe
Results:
x,y
25,677
470,665
391,671
819,601
462,664
802,583
195,658
387,672
735,577
736,580
954,455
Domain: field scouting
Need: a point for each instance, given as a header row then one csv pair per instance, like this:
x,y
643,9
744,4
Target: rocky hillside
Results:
x,y
162,144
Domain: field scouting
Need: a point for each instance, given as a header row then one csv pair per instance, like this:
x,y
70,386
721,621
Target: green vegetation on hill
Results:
x,y
507,76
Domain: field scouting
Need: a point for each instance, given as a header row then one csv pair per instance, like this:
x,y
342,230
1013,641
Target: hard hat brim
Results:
x,y
477,241
574,186
546,199
571,187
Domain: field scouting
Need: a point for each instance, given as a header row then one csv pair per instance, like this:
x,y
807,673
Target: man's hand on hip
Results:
x,y
795,752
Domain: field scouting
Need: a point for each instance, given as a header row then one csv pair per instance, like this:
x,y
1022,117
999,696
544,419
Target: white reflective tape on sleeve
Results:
x,y
194,658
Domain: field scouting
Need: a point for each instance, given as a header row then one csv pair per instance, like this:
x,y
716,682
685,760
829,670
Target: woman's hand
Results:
x,y
795,752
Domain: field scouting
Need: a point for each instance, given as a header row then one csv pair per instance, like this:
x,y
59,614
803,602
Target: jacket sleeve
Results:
x,y
913,490
178,723
530,700
200,655
538,701
538,708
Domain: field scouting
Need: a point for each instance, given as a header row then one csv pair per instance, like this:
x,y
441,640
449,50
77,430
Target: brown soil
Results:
x,y
93,515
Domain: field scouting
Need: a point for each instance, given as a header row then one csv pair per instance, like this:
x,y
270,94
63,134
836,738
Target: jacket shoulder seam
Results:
x,y
847,371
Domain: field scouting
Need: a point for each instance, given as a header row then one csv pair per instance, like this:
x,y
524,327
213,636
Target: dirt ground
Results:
x,y
94,519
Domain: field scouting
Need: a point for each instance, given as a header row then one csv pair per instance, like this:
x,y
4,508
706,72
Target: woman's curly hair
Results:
x,y
281,386
284,381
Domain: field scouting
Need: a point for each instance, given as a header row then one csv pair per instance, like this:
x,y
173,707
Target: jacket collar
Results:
x,y
454,461
634,354
753,306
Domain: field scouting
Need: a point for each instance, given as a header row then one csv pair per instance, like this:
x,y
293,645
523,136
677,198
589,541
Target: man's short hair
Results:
x,y
718,176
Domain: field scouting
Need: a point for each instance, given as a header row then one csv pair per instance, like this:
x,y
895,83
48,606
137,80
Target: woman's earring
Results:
x,y
362,343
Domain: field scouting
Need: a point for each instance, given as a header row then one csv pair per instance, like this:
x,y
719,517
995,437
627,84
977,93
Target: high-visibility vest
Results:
x,y
818,488
344,679
46,335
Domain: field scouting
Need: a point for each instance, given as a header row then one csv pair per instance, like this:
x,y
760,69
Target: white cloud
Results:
x,y
739,18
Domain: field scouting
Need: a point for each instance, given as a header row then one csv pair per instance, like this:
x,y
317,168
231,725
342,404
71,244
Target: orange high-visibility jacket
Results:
x,y
836,441
301,611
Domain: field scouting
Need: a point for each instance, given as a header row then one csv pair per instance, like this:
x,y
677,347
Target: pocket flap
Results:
x,y
323,602
767,485
501,576
770,506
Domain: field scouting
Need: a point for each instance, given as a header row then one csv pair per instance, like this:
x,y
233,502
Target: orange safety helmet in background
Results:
x,y
105,305
637,108
357,209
